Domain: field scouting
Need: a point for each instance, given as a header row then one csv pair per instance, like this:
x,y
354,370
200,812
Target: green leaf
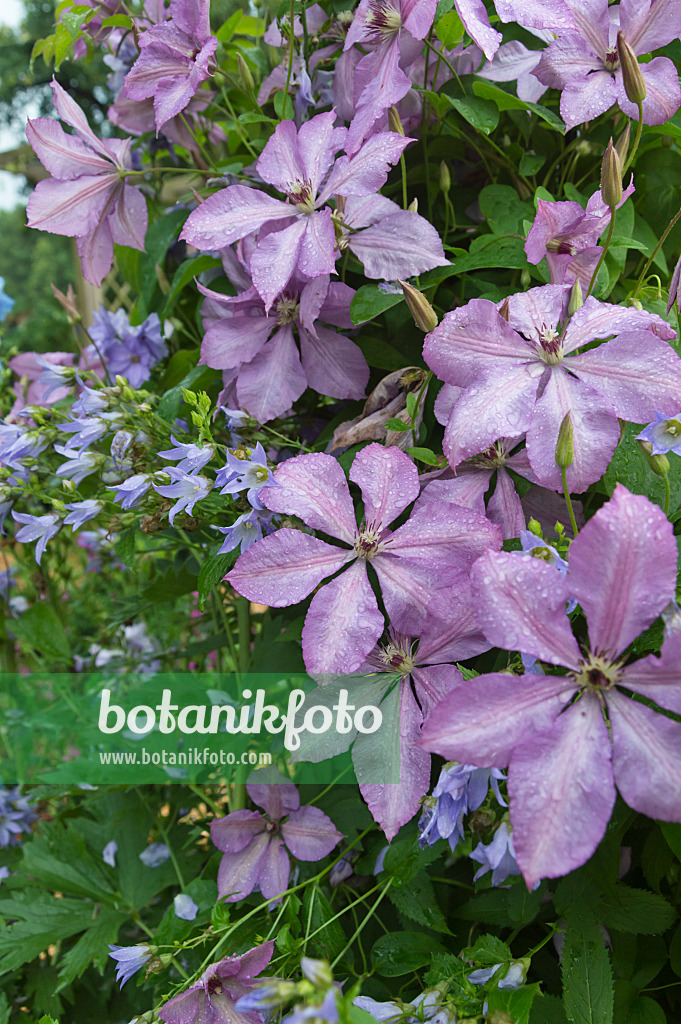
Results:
x,y
198,379
507,101
504,210
395,424
488,951
517,1003
449,29
675,952
92,946
40,627
672,833
59,859
417,901
380,353
213,570
160,236
586,970
490,251
404,860
424,455
531,163
399,953
370,301
62,44
125,547
629,466
635,911
547,1010
330,939
228,28
185,273
482,114
40,920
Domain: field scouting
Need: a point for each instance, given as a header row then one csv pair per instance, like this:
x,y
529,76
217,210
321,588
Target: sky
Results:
x,y
11,12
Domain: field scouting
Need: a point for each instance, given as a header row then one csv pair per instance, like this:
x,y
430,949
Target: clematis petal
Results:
x,y
484,719
418,15
275,870
388,480
533,311
663,95
274,378
71,208
498,403
235,831
398,246
569,58
231,214
72,114
473,14
646,757
317,245
277,798
595,429
504,507
275,259
235,340
62,155
310,834
467,489
284,568
636,373
451,632
627,551
601,320
318,143
128,218
556,779
280,163
394,804
313,487
519,604
446,537
658,679
650,26
367,171
470,339
239,873
343,623
585,98
96,253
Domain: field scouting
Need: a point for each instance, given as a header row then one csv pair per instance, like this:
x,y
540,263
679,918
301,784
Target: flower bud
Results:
x,y
423,313
68,485
413,206
245,76
632,79
622,144
394,121
445,178
505,310
658,463
611,177
565,449
317,971
576,297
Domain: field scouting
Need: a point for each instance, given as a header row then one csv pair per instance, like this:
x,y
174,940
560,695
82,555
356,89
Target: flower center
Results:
x,y
551,349
561,248
367,543
286,310
611,60
495,455
271,827
398,656
597,674
383,20
301,195
672,427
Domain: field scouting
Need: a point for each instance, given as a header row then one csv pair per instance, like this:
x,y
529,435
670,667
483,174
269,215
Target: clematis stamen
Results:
x,y
383,20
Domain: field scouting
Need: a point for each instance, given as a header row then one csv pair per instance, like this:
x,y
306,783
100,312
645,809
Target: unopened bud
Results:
x,y
413,206
658,463
68,485
611,177
317,971
121,381
394,121
565,449
576,298
68,302
423,313
245,76
622,144
505,310
632,79
445,178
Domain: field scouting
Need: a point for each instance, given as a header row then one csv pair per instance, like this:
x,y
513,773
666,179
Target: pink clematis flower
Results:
x,y
584,62
525,375
212,997
176,56
343,622
271,373
87,196
254,845
564,755
297,234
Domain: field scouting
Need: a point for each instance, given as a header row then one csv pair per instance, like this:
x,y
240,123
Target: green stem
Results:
x,y
657,248
364,923
405,198
450,66
608,239
290,58
667,494
639,129
568,501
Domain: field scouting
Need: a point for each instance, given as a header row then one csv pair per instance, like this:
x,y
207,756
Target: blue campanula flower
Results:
x,y
131,490
187,488
245,530
184,907
497,857
38,528
6,303
245,474
192,457
16,815
461,788
664,434
80,463
130,960
109,853
81,512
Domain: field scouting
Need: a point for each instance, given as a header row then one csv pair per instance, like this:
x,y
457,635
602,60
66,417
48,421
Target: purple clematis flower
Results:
x,y
567,236
299,233
87,196
514,62
176,56
255,845
343,621
212,997
39,528
187,488
564,758
584,62
271,372
461,788
664,434
524,376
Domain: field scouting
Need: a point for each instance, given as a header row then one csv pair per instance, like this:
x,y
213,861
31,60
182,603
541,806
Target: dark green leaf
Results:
x,y
488,951
635,910
214,568
125,547
482,114
40,627
547,1010
587,975
401,953
370,301
395,424
507,101
517,1003
185,273
417,901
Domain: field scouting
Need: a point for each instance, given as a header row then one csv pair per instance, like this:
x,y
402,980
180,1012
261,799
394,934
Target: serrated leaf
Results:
x,y
516,1003
417,901
399,953
635,911
329,938
125,547
213,570
547,1010
40,921
586,971
404,860
41,628
92,946
488,951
